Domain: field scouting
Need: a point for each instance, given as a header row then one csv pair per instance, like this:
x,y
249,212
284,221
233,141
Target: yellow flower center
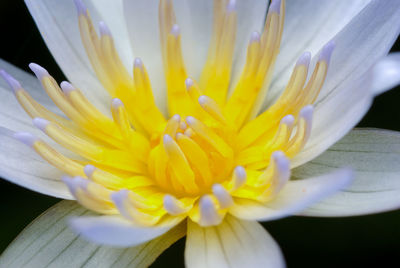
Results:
x,y
213,150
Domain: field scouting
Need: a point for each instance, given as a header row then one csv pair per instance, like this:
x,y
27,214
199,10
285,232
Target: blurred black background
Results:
x,y
364,241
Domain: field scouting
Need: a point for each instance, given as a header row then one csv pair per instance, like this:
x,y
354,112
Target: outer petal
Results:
x,y
309,25
386,73
375,155
361,44
195,21
233,243
34,173
48,242
116,231
294,197
58,24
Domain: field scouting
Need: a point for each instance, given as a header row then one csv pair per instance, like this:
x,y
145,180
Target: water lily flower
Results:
x,y
198,118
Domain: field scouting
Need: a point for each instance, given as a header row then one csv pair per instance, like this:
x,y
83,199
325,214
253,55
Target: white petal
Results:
x,y
309,24
195,20
375,156
48,242
233,243
34,173
386,73
116,231
347,92
296,196
58,24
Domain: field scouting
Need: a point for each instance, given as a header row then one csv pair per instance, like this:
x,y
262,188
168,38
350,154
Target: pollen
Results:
x,y
217,146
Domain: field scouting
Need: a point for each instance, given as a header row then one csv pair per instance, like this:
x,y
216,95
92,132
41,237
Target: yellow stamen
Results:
x,y
210,151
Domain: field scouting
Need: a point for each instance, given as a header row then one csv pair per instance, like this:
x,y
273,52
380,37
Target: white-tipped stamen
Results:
x,y
26,138
304,59
224,198
80,6
89,170
67,87
40,123
119,199
208,212
231,7
326,51
255,37
282,173
115,103
275,6
11,81
138,63
38,70
104,30
175,30
239,177
173,206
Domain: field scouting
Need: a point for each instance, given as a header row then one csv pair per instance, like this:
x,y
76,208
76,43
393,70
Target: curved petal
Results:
x,y
296,196
309,25
233,243
116,231
375,156
48,242
386,73
347,90
35,173
195,20
58,24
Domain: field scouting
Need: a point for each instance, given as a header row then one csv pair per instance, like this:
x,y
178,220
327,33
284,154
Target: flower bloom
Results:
x,y
220,155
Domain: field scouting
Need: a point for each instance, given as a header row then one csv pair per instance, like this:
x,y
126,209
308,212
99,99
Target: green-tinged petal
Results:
x,y
48,242
233,243
295,197
375,156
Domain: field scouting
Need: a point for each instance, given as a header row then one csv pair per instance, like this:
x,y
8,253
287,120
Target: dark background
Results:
x,y
364,241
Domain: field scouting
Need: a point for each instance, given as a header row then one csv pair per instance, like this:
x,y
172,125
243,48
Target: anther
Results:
x,y
40,123
326,52
239,177
255,37
224,198
67,87
80,6
208,212
138,63
304,59
275,6
104,30
11,81
231,7
175,30
115,103
188,83
26,138
89,170
173,206
38,70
